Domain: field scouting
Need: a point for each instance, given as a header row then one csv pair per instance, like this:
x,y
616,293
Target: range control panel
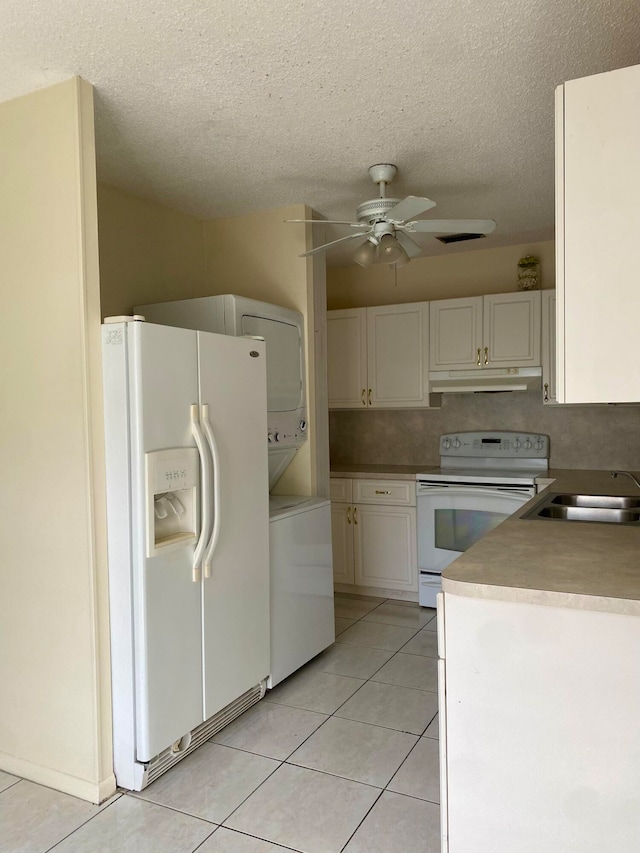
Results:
x,y
507,445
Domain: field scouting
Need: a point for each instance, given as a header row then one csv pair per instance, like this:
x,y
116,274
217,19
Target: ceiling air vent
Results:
x,y
458,238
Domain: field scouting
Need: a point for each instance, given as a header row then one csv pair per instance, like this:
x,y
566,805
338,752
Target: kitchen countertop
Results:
x,y
583,565
380,472
588,566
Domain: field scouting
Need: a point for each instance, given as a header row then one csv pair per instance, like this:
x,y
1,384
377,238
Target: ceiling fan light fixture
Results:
x,y
390,251
365,254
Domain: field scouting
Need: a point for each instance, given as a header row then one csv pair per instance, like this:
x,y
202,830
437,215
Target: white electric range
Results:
x,y
483,478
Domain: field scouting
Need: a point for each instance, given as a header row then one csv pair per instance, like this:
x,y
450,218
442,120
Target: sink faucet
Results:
x,y
614,474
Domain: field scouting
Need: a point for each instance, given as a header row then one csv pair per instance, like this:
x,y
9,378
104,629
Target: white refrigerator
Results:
x,y
188,528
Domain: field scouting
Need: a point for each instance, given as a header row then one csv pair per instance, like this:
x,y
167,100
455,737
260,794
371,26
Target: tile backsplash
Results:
x,y
599,437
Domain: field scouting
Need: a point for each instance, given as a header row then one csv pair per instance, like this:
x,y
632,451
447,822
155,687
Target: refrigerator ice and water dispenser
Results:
x,y
172,478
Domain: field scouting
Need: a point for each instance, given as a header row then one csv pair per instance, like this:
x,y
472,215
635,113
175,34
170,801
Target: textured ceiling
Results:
x,y
221,109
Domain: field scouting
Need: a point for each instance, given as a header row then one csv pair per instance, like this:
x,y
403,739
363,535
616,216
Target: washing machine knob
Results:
x,y
303,425
446,443
517,444
528,445
276,436
456,442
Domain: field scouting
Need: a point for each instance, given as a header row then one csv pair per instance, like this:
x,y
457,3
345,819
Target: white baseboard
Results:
x,y
94,792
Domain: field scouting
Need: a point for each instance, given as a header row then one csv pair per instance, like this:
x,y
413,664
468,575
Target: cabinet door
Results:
x,y
511,335
347,358
385,547
548,346
455,334
397,355
597,227
342,541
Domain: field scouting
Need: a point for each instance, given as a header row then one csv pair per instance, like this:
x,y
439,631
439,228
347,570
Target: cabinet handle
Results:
x,y
546,392
478,357
355,515
369,396
486,355
348,515
364,402
383,491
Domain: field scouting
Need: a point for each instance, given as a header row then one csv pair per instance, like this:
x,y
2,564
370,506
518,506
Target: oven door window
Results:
x,y
452,519
459,529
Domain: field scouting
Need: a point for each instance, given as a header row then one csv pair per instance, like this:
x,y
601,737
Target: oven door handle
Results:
x,y
506,491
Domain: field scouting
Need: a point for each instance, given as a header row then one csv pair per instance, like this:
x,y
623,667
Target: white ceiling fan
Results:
x,y
387,222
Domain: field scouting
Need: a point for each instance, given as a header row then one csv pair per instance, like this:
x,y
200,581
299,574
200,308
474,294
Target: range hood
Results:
x,y
486,379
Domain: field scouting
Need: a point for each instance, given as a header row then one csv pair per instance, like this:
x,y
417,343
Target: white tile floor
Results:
x,y
342,756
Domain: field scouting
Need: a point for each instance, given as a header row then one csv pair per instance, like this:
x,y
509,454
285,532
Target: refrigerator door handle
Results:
x,y
205,491
215,456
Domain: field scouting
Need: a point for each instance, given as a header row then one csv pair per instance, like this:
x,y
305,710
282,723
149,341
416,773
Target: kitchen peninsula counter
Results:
x,y
581,565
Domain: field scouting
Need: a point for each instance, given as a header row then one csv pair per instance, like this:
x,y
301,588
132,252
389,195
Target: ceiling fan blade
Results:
x,y
410,246
451,226
333,243
326,222
409,207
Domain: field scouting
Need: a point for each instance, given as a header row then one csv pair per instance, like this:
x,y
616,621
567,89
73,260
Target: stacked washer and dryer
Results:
x,y
300,555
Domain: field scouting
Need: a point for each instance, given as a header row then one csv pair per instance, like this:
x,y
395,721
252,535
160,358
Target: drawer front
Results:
x,y
389,492
340,489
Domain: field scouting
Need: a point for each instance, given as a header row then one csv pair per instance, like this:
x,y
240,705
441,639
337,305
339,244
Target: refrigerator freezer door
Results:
x,y
236,595
167,604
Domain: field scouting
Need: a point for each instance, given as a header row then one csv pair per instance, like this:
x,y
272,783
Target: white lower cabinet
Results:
x,y
374,533
539,710
342,539
385,546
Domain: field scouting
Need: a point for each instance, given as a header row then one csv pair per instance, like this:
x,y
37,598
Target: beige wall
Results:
x,y
55,723
257,256
461,273
148,253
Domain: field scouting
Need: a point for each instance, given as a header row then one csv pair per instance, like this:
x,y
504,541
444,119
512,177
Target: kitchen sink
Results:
x,y
606,501
600,508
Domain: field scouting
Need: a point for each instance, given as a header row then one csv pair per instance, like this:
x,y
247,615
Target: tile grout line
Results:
x,y
400,768
85,822
12,784
246,835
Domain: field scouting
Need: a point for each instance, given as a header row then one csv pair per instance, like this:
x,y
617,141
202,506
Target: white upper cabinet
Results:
x,y
378,357
456,333
597,227
549,346
500,330
511,328
397,355
347,358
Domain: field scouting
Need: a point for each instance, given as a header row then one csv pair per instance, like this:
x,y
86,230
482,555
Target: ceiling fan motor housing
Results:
x,y
375,210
